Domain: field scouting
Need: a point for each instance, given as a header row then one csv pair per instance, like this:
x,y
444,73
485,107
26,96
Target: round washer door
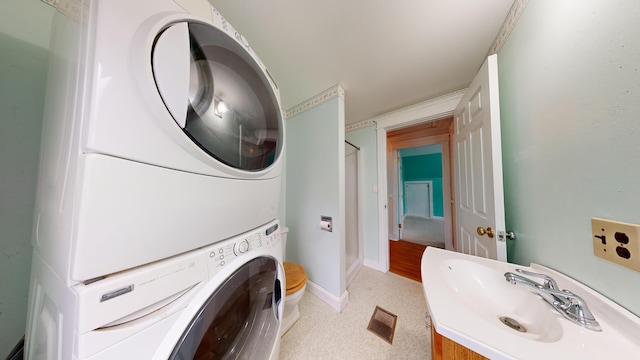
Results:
x,y
240,319
218,94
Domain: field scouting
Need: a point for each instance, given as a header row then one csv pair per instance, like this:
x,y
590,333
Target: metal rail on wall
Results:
x,y
352,145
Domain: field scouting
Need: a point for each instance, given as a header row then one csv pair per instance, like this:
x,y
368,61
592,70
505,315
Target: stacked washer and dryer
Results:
x,y
156,232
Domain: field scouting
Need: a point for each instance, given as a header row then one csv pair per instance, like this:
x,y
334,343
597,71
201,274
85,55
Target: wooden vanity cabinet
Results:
x,y
443,348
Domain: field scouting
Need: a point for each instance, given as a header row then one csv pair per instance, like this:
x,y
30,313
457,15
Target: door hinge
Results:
x,y
399,226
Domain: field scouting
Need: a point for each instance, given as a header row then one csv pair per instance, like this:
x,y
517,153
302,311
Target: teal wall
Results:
x,y
315,187
365,139
24,41
422,167
570,108
426,168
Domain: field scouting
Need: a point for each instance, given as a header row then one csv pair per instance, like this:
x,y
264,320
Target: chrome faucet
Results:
x,y
570,305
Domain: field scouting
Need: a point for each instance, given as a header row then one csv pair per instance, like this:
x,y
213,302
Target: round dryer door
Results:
x,y
218,94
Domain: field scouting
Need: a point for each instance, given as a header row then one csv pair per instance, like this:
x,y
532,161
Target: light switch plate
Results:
x,y
617,242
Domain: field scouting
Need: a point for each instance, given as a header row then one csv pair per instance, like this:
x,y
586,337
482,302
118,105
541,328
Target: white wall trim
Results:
x,y
323,97
383,211
429,110
406,111
352,275
372,264
338,303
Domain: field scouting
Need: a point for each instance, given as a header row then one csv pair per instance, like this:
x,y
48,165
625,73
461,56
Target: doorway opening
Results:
x,y
419,193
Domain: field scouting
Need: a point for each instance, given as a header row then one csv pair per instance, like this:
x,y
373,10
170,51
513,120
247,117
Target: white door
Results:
x,y
480,228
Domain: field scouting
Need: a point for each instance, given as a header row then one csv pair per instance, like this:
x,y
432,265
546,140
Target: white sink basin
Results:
x,y
468,296
484,291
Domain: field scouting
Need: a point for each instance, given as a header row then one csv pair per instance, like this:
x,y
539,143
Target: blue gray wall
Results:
x,y
570,107
315,187
24,41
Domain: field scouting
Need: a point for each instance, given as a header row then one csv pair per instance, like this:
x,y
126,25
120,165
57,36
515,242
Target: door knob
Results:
x,y
481,231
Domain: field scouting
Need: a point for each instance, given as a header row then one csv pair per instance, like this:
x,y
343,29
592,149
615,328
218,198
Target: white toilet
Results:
x,y
296,284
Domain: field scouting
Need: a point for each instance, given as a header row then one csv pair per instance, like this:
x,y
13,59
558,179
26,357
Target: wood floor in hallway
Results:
x,y
404,259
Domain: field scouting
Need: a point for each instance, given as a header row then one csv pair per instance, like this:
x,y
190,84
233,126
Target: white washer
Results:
x,y
222,301
163,133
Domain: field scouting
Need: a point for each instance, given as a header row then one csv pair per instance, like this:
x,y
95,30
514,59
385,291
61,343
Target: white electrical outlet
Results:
x,y
617,242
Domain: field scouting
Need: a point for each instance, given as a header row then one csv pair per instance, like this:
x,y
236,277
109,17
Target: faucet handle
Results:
x,y
574,308
549,282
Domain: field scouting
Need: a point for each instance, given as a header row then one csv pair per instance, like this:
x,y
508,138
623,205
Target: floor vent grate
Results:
x,y
383,324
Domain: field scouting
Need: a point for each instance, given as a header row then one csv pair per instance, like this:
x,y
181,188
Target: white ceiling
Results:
x,y
386,54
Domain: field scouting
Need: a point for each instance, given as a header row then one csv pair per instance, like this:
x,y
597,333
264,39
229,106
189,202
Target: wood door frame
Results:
x,y
428,111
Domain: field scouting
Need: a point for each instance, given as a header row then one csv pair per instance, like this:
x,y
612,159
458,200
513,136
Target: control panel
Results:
x,y
223,253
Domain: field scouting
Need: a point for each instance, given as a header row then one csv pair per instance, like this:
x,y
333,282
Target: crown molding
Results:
x,y
359,125
415,113
509,23
70,8
409,108
53,3
323,97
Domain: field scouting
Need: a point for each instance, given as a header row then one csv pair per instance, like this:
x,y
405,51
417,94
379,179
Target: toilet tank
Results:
x,y
283,239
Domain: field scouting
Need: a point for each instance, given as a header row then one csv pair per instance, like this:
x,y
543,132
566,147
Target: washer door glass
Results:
x,y
218,95
239,320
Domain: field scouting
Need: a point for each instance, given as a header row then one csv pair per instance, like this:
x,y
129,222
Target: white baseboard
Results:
x,y
372,264
353,272
428,217
338,303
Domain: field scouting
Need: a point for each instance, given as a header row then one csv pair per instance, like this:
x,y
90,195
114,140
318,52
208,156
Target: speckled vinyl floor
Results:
x,y
324,333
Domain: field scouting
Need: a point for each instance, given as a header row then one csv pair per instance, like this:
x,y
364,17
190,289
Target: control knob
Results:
x,y
242,246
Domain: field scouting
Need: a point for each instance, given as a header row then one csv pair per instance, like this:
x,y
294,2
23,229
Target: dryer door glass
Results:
x,y
219,95
239,320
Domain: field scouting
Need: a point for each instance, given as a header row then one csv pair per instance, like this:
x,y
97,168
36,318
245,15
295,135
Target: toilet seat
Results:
x,y
296,277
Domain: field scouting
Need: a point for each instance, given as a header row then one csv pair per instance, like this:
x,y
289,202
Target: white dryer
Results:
x,y
224,301
163,133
